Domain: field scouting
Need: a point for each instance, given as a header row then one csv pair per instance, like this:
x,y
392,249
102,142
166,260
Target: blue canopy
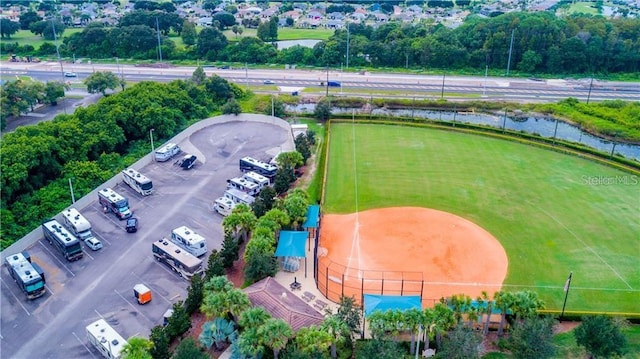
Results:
x,y
374,302
313,217
291,244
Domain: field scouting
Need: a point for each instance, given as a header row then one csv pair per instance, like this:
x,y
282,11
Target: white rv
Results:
x,y
243,185
238,196
104,338
77,224
256,178
167,151
224,206
189,240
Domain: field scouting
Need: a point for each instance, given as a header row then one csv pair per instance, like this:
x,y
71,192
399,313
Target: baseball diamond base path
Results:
x,y
407,251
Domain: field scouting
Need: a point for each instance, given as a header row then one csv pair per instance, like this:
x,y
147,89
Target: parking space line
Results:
x,y
56,258
101,238
100,315
88,255
162,265
150,287
18,300
49,289
134,308
81,342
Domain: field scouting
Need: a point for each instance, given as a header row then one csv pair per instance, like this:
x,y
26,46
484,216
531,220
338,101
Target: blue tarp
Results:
x,y
374,302
291,244
313,217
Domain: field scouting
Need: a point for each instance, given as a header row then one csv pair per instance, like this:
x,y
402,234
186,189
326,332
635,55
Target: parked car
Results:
x,y
93,243
268,82
188,161
132,225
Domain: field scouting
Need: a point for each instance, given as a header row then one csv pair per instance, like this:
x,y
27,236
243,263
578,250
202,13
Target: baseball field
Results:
x,y
552,213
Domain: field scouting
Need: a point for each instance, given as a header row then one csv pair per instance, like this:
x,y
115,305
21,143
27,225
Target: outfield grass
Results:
x,y
26,37
539,204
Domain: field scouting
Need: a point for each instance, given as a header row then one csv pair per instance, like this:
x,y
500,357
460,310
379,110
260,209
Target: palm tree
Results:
x,y
275,334
216,332
460,304
253,317
218,284
487,305
338,330
237,302
504,301
249,343
137,348
240,222
428,322
444,320
526,304
313,340
413,319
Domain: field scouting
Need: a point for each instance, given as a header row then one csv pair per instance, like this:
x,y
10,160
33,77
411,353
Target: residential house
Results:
x,y
335,16
314,15
358,17
334,24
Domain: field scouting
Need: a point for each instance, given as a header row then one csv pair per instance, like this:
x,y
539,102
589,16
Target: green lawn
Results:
x,y
537,203
26,37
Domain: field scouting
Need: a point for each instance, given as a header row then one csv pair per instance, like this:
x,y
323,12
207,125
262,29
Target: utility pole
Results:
x,y
486,73
73,197
442,92
159,46
348,45
590,87
327,83
55,38
510,49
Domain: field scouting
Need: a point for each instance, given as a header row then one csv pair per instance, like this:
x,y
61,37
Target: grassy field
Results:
x,y
26,37
553,213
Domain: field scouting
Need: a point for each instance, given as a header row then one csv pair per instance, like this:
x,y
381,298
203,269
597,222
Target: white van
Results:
x,y
167,151
224,206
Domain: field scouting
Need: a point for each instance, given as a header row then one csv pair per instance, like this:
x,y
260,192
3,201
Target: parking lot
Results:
x,y
100,285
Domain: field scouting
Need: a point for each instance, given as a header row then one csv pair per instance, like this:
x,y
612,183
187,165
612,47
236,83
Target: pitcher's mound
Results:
x,y
408,251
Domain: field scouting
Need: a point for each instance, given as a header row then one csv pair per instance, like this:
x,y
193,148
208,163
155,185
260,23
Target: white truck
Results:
x,y
104,338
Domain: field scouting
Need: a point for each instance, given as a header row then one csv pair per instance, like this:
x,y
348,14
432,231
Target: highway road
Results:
x,y
502,88
100,285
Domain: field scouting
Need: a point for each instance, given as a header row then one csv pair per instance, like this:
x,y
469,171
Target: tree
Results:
x,y
532,338
292,159
189,34
338,330
101,81
413,319
289,21
210,42
284,177
249,343
136,348
27,18
231,107
215,264
160,341
236,30
8,28
379,349
503,301
189,349
273,28
263,32
601,336
461,343
218,332
350,313
199,77
259,266
46,29
253,318
313,340
230,251
54,90
225,19
240,222
526,304
323,109
275,333
179,322
443,321
195,294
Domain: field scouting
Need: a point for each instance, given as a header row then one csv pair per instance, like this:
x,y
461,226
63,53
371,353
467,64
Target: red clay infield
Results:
x,y
407,251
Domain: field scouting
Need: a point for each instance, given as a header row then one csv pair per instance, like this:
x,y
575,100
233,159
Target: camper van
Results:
x,y
238,196
256,178
166,152
224,206
243,185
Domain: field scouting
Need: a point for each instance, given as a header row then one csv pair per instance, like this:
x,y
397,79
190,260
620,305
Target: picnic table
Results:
x,y
319,305
308,297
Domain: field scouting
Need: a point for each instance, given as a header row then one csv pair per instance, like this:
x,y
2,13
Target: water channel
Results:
x,y
545,127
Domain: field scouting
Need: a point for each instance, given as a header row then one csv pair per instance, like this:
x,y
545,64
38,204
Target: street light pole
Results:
x,y
567,286
73,198
152,149
590,87
442,92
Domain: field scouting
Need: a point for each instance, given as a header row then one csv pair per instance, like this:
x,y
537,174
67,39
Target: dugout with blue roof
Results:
x,y
373,302
292,247
313,217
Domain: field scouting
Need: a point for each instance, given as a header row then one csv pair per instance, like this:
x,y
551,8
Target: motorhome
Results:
x,y
176,258
191,241
251,164
66,243
77,224
238,196
243,185
27,274
111,201
137,181
104,338
224,206
166,152
258,179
